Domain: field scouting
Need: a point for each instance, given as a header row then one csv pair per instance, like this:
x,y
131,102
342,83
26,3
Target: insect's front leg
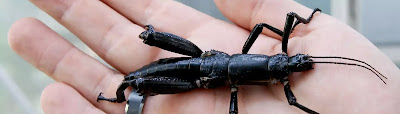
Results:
x,y
169,42
254,35
305,21
292,99
289,27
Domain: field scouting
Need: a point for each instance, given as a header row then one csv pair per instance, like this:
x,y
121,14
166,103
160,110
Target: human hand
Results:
x,y
111,29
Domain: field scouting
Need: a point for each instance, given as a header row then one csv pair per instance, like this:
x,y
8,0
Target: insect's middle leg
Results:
x,y
292,99
233,107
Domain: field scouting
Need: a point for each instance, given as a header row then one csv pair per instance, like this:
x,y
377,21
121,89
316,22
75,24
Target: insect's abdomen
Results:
x,y
246,68
162,85
185,69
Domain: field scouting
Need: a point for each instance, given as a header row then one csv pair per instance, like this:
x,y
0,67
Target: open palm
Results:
x,y
111,29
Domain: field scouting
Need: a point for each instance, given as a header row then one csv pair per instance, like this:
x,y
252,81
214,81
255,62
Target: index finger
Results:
x,y
166,15
179,19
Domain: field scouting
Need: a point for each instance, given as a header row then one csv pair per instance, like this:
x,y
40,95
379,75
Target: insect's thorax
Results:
x,y
278,66
248,69
214,64
244,68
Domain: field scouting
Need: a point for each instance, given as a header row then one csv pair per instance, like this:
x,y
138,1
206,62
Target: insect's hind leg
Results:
x,y
151,86
254,35
163,85
163,61
120,93
292,99
169,42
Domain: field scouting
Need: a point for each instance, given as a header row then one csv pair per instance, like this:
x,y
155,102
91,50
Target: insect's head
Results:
x,y
358,63
300,62
145,34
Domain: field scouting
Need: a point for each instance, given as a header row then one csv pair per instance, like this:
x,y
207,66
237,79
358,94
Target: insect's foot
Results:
x,y
148,27
317,9
100,98
145,34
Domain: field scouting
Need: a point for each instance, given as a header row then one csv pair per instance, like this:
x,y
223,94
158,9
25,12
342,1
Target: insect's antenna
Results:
x,y
351,59
349,64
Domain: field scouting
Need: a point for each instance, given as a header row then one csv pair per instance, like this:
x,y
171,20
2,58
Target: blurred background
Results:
x,y
21,84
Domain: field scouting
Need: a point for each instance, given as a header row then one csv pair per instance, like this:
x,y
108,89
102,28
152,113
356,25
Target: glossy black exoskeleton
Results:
x,y
213,68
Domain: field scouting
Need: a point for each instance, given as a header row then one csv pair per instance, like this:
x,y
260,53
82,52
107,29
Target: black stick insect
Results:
x,y
213,68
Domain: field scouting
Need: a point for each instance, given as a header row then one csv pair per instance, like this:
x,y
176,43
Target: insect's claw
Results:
x,y
147,27
317,9
100,97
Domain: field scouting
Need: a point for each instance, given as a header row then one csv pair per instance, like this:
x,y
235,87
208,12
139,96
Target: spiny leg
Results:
x,y
233,108
292,99
254,35
169,42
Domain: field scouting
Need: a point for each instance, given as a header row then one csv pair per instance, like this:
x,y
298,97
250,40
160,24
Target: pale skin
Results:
x,y
111,28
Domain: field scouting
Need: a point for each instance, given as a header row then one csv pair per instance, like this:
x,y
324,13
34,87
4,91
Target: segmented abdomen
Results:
x,y
184,69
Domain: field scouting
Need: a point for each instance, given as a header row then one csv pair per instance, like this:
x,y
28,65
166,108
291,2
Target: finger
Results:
x,y
61,98
109,34
272,12
174,17
53,55
166,15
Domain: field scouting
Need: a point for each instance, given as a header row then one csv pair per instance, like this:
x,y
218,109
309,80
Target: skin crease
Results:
x,y
111,29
